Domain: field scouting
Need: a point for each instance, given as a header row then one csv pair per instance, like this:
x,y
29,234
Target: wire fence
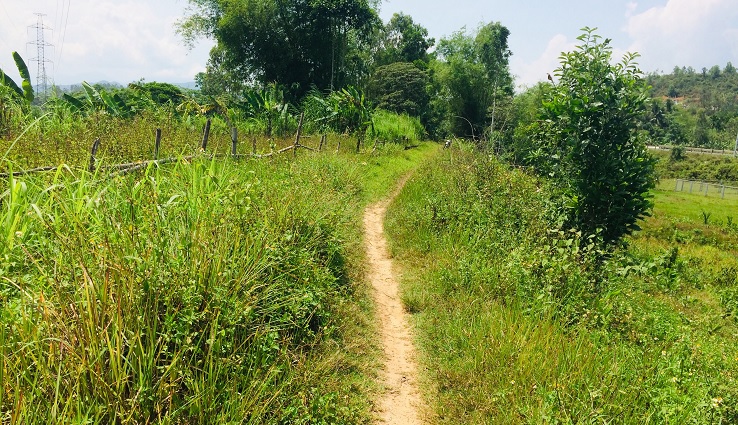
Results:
x,y
707,188
125,168
730,152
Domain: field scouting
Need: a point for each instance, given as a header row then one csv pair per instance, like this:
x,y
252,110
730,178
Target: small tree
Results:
x,y
589,141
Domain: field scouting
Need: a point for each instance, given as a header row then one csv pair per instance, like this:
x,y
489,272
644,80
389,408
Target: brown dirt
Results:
x,y
401,403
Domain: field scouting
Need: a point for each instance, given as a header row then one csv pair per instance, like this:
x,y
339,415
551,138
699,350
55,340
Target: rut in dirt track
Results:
x,y
401,403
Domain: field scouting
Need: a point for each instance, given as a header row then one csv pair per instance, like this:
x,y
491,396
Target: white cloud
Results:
x,y
529,73
685,33
121,41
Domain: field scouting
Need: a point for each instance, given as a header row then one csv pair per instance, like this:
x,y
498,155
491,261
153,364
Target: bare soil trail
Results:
x,y
401,403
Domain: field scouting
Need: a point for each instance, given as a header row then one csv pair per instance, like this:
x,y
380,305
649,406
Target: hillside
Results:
x,y
695,108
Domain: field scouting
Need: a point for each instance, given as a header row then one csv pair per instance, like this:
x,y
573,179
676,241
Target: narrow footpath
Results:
x,y
401,403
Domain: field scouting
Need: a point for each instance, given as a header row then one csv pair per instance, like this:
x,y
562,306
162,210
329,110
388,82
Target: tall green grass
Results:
x,y
396,128
518,324
205,292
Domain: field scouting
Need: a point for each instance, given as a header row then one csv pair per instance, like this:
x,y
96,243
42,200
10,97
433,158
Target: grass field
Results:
x,y
211,291
517,326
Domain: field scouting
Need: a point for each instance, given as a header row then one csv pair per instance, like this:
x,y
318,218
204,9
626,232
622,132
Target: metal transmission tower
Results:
x,y
42,86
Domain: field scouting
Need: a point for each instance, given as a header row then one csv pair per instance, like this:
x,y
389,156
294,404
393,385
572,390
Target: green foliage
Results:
x,y
473,73
343,111
202,292
677,154
25,75
400,87
269,107
703,107
396,128
589,144
316,40
696,166
511,330
160,93
402,40
26,93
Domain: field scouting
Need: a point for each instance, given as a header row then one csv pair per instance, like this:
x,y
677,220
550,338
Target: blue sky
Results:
x,y
126,40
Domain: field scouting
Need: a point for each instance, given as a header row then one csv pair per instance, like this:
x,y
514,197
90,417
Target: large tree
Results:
x,y
400,87
296,43
474,76
402,40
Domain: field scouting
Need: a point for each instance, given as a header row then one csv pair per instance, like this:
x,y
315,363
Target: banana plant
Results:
x,y
26,92
345,110
267,105
98,100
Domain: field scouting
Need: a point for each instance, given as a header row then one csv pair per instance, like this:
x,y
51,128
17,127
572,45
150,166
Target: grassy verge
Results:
x,y
207,292
517,325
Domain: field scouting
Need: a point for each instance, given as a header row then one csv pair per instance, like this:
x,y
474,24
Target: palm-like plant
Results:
x,y
343,111
25,93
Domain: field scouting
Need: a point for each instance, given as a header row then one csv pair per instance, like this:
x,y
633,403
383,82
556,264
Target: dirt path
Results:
x,y
401,403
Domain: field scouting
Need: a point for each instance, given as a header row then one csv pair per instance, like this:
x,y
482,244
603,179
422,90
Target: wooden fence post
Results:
x,y
205,136
297,137
234,140
338,147
322,142
95,146
157,144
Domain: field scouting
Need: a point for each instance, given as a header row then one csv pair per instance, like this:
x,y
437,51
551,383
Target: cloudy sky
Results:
x,y
127,40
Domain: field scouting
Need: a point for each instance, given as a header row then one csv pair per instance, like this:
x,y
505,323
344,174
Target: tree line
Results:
x,y
304,46
694,108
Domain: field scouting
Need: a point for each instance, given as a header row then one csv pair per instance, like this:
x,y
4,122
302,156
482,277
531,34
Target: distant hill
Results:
x,y
695,108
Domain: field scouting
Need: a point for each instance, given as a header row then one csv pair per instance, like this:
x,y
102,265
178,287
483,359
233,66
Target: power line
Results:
x,y
11,23
64,31
40,59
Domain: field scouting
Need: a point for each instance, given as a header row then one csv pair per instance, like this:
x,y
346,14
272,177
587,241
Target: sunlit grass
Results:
x,y
205,291
512,331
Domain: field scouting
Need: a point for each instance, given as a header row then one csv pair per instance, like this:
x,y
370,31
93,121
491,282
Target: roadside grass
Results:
x,y
515,325
209,292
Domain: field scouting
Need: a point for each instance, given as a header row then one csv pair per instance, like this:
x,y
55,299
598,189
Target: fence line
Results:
x,y
125,168
697,150
702,186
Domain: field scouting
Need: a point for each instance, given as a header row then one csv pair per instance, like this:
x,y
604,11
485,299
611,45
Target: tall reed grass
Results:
x,y
208,292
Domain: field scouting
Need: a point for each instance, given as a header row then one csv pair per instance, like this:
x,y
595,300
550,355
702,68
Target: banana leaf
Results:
x,y
25,75
74,102
111,105
93,96
8,82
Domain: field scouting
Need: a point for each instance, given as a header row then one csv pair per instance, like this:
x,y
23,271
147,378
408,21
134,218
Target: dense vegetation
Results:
x,y
207,292
228,290
519,322
695,108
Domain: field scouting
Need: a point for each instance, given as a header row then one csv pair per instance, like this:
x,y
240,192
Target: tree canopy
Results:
x,y
473,72
297,43
402,40
400,87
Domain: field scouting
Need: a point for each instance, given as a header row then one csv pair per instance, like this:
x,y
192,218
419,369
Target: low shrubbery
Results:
x,y
396,128
697,166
